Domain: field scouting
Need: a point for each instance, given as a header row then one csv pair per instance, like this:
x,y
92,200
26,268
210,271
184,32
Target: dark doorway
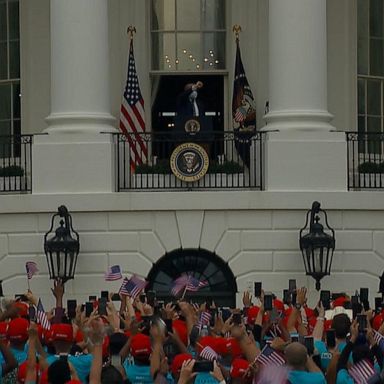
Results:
x,y
201,264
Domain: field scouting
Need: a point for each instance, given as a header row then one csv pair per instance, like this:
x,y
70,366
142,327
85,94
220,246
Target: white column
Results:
x,y
302,154
297,65
79,67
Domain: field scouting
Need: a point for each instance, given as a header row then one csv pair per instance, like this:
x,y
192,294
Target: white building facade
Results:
x,y
306,57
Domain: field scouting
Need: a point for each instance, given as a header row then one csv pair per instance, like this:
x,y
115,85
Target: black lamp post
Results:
x,y
316,246
61,247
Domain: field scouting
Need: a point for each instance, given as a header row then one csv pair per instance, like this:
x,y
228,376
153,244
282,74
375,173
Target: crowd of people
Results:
x,y
120,339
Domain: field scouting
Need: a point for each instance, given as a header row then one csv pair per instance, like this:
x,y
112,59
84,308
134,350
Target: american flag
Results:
x,y
187,282
207,353
364,373
132,114
133,286
31,268
271,374
268,356
204,319
113,273
377,337
42,316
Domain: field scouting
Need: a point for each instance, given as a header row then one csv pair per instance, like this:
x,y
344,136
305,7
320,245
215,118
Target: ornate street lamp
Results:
x,y
317,246
61,247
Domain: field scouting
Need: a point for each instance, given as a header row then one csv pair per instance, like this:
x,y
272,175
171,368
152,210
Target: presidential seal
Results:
x,y
189,162
192,126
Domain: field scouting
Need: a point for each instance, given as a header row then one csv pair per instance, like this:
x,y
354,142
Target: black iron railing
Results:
x,y
16,163
365,160
145,161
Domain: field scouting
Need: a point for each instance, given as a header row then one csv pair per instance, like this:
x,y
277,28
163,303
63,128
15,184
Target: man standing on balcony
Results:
x,y
188,104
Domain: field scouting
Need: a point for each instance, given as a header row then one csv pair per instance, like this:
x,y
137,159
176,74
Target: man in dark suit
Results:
x,y
188,103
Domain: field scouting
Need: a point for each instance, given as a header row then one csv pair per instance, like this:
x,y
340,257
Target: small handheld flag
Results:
x,y
133,286
113,273
31,268
188,283
268,356
42,316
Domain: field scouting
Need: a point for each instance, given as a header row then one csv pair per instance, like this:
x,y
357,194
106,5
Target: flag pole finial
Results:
x,y
131,30
236,30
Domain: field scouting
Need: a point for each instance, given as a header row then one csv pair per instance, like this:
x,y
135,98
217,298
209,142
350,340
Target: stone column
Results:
x,y
75,156
301,151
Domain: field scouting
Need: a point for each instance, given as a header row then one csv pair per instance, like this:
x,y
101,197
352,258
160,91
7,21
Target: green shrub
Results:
x,y
228,167
12,170
162,167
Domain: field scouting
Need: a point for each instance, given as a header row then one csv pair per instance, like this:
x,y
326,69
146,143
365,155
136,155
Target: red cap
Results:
x,y
230,347
279,305
252,313
238,368
22,308
210,341
140,345
79,337
18,329
180,328
178,362
22,372
377,321
62,332
339,302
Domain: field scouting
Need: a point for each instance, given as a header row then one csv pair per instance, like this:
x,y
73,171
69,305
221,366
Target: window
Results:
x,y
201,264
188,35
370,65
9,73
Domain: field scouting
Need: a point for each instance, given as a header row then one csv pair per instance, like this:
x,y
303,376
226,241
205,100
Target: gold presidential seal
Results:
x,y
192,126
189,162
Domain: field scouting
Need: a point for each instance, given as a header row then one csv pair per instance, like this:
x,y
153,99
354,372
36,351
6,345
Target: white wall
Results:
x,y
135,229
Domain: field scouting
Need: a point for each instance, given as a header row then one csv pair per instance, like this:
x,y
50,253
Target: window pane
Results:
x,y
163,51
376,18
373,93
214,50
5,146
188,15
3,22
213,14
3,61
362,56
16,100
376,57
188,51
163,14
361,96
5,101
374,126
361,128
363,18
13,20
14,59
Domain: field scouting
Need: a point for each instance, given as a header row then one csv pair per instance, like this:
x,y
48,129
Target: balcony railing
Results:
x,y
145,162
16,164
365,160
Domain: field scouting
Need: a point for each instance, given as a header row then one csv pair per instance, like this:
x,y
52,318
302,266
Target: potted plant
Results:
x,y
11,178
370,174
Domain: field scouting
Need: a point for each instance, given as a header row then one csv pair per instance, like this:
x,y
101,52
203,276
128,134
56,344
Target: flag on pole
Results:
x,y
132,115
133,286
272,374
187,282
363,372
207,353
31,268
113,273
205,318
268,356
243,109
42,316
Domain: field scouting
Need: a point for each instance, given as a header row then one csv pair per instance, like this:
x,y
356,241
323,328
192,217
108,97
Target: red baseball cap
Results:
x,y
279,305
377,321
140,345
238,368
22,372
178,361
62,332
252,314
181,329
22,308
340,301
18,329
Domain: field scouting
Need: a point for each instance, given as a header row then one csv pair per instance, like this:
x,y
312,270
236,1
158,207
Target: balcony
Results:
x,y
365,161
16,164
153,153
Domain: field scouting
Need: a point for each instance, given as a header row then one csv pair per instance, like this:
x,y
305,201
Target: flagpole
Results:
x,y
29,287
131,30
185,291
236,30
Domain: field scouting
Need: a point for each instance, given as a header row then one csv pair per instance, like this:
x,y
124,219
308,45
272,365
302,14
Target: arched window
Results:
x,y
201,264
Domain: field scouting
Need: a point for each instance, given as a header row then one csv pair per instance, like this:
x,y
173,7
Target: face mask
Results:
x,y
193,95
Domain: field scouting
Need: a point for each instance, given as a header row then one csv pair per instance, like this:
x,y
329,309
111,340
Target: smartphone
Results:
x,y
268,302
294,338
168,324
151,297
21,297
32,313
293,298
292,285
308,343
286,297
102,308
71,308
362,322
92,298
378,304
330,338
213,312
142,298
225,313
325,298
364,292
354,299
116,297
104,294
203,366
237,318
257,288
88,308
